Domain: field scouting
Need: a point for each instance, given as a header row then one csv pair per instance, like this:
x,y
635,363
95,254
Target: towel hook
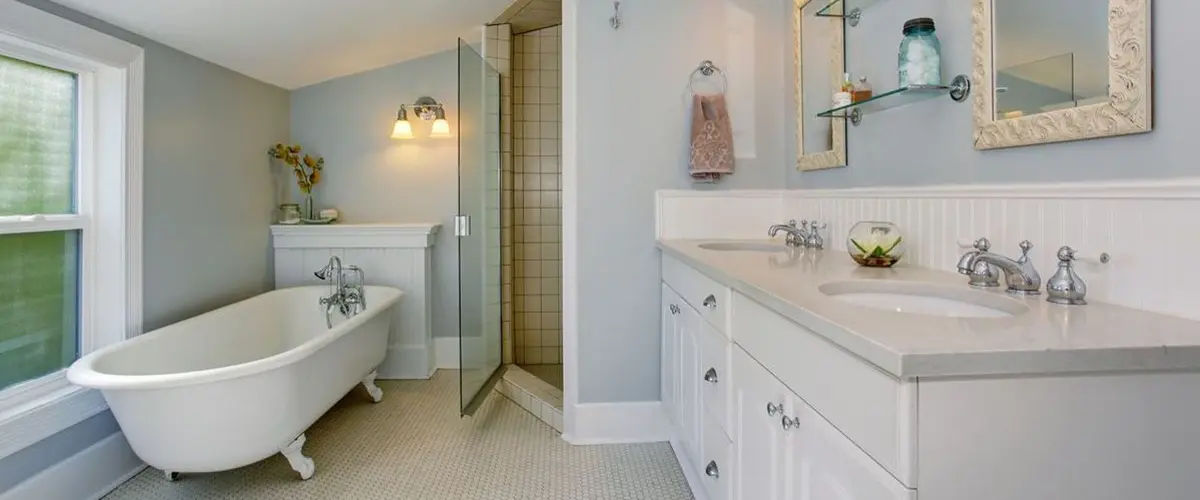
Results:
x,y
615,20
707,68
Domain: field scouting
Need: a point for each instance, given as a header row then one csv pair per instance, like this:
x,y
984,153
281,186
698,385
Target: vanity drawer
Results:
x,y
870,407
708,297
716,380
716,467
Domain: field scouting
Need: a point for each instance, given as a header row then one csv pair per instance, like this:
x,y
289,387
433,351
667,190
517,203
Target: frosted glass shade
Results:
x,y
402,130
440,130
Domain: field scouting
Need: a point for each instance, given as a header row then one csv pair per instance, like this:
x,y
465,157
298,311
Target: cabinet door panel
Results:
x,y
824,465
690,407
672,306
758,438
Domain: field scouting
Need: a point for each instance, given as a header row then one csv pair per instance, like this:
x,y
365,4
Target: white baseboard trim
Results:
x,y
89,474
689,472
617,423
407,362
446,353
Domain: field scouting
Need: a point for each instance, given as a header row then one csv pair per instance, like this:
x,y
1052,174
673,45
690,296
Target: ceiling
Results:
x,y
294,43
531,15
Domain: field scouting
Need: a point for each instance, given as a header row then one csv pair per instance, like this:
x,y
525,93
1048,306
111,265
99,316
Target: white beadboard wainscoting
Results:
x,y
398,255
1147,227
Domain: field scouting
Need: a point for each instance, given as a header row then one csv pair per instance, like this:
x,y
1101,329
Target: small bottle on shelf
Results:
x,y
844,95
862,90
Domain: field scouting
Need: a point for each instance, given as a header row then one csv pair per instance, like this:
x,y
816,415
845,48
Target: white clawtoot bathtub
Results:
x,y
236,385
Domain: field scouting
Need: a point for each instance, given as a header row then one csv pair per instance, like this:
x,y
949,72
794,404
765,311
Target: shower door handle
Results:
x,y
462,226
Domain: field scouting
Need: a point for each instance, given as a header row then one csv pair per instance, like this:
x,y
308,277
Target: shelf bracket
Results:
x,y
960,88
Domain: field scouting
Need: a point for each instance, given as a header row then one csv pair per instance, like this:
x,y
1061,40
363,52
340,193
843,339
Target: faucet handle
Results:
x,y
982,244
1026,246
1066,287
814,239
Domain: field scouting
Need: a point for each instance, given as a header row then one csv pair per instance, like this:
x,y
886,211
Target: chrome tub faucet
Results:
x,y
348,298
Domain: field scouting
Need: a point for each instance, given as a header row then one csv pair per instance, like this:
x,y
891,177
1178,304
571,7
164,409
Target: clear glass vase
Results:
x,y
875,244
308,207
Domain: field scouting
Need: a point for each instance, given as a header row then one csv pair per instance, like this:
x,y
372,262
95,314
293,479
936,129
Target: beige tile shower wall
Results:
x,y
498,51
537,197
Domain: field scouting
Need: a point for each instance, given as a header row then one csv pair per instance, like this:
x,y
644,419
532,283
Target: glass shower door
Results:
x,y
478,227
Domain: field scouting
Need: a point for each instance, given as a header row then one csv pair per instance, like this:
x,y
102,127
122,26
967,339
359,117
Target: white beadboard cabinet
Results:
x,y
398,255
763,408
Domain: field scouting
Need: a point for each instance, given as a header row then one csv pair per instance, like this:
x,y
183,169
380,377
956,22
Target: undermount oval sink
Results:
x,y
924,298
737,246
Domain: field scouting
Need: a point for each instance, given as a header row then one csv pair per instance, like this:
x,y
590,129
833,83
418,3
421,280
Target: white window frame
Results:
x,y
109,202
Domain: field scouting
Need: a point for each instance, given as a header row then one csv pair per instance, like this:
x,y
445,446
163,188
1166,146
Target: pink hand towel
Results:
x,y
712,139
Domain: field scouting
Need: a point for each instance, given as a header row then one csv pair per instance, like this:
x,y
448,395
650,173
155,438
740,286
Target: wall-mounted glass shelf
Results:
x,y
958,89
850,10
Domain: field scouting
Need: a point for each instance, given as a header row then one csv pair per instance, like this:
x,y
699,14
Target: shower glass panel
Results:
x,y
478,226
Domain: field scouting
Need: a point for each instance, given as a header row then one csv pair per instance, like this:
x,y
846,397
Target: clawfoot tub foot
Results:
x,y
372,389
172,476
298,461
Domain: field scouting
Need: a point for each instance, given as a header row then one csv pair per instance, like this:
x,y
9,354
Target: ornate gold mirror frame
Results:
x,y
836,156
1128,110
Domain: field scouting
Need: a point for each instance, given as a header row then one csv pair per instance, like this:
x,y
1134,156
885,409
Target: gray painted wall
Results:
x,y
931,142
632,140
207,203
371,177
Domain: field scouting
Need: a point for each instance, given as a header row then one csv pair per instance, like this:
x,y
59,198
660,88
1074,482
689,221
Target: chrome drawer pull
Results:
x,y
674,310
774,410
712,470
710,302
790,423
710,376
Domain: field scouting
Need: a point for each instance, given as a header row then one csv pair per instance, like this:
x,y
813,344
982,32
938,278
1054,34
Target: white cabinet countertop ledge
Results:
x,y
1047,339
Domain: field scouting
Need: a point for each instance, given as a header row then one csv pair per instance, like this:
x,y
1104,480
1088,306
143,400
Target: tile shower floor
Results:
x,y
413,445
552,374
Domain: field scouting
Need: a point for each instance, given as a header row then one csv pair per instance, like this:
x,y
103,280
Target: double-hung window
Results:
x,y
70,211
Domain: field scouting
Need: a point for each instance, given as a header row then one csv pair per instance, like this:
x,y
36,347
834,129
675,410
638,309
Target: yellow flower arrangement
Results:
x,y
307,168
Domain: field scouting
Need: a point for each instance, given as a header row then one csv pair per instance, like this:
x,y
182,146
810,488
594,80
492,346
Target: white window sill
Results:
x,y
40,418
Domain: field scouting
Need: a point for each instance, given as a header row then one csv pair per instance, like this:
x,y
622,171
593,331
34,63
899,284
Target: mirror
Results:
x,y
819,54
1060,70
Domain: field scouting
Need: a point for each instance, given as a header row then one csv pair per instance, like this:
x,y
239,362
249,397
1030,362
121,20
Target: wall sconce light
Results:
x,y
426,109
403,129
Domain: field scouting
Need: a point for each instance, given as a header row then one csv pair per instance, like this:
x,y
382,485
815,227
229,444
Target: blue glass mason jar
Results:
x,y
920,54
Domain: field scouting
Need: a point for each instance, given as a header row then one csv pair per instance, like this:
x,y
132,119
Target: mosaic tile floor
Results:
x,y
413,445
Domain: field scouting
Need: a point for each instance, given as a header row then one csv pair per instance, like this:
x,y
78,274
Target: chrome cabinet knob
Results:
x,y
674,310
710,376
711,470
790,423
774,410
710,302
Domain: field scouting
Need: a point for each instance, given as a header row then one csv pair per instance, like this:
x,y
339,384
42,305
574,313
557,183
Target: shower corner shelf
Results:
x,y
958,89
850,10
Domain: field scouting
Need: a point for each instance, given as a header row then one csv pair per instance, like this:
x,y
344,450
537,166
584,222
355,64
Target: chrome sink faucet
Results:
x,y
1020,275
804,236
981,274
348,298
795,236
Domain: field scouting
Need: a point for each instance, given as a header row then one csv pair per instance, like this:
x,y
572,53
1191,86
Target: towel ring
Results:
x,y
707,68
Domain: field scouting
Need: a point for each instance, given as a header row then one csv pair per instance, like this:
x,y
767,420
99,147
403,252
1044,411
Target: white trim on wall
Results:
x,y
446,355
616,423
570,215
1133,221
420,235
90,474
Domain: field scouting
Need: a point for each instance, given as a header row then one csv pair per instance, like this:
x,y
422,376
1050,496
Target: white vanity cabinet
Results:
x,y
772,396
747,433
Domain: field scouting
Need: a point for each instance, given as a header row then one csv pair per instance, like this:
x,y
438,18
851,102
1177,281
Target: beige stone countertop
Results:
x,y
1047,339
